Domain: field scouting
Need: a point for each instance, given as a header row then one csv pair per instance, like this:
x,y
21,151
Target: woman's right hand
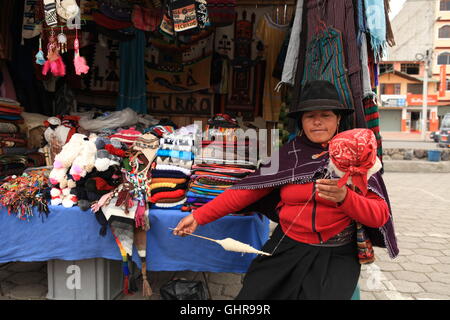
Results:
x,y
186,225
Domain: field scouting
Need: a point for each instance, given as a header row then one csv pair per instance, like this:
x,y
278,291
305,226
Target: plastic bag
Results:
x,y
180,289
116,119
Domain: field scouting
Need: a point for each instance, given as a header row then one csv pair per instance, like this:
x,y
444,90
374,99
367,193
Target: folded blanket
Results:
x,y
168,174
190,193
182,186
9,117
171,200
185,155
165,206
161,185
169,180
198,200
174,168
213,182
167,195
10,111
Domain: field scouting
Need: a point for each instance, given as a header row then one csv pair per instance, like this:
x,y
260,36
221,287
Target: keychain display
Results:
x,y
40,59
79,61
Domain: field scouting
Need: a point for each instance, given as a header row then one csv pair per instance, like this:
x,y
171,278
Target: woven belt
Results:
x,y
342,238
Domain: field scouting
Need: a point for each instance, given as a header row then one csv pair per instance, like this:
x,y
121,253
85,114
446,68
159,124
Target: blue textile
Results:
x,y
183,155
71,234
376,24
194,194
132,93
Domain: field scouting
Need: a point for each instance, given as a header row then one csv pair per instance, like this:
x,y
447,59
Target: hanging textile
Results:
x,y
272,35
325,61
376,25
365,73
338,15
292,56
132,73
373,122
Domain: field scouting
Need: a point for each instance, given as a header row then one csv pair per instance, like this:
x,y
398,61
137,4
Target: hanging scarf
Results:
x,y
376,25
297,165
293,53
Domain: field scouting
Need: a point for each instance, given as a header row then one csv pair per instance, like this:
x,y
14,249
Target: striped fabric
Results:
x,y
326,61
373,122
339,15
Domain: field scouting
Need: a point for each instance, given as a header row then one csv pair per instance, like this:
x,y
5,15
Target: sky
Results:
x,y
395,5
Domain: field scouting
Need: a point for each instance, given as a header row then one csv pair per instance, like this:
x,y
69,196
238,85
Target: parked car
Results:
x,y
444,132
434,136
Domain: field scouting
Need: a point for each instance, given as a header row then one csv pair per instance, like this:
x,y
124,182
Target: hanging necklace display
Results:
x,y
79,61
62,41
40,59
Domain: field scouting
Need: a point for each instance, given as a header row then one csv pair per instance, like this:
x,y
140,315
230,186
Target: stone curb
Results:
x,y
416,166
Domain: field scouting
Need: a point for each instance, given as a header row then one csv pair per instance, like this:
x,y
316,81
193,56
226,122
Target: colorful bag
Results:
x,y
184,15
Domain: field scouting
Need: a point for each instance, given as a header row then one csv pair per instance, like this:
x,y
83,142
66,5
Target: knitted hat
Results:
x,y
127,136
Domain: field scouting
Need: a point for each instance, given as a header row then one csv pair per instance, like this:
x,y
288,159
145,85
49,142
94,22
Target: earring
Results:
x,y
301,133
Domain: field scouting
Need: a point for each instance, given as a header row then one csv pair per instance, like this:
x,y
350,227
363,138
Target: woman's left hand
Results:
x,y
327,189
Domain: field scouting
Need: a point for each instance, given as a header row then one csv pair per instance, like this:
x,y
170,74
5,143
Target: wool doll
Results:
x,y
65,158
85,161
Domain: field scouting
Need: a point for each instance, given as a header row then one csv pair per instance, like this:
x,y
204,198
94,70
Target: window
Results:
x,y
445,5
386,67
444,32
438,85
390,88
414,88
410,68
444,58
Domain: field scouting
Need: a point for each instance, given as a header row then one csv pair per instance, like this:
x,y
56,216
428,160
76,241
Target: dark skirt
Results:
x,y
298,271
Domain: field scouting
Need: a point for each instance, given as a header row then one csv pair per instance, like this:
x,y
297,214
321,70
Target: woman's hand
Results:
x,y
327,189
186,225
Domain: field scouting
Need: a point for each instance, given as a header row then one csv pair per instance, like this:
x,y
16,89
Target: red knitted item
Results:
x,y
168,195
101,184
115,151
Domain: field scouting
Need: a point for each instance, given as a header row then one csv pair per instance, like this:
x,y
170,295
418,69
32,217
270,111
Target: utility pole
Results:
x,y
426,59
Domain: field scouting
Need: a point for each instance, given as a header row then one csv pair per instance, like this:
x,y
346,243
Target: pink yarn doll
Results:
x,y
79,61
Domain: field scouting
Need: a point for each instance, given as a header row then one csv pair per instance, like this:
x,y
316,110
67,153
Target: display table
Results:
x,y
71,234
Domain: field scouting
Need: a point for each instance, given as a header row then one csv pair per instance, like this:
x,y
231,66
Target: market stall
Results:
x,y
118,118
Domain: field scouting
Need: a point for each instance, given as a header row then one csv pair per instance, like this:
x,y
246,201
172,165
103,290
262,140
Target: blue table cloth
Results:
x,y
71,234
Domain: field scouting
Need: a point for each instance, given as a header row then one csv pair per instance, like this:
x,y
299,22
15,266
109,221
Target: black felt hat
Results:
x,y
318,95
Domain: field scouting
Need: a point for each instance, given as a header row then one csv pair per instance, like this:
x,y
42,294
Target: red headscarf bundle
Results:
x,y
353,156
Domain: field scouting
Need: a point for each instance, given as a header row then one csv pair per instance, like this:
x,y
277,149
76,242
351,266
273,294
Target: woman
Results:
x,y
314,253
